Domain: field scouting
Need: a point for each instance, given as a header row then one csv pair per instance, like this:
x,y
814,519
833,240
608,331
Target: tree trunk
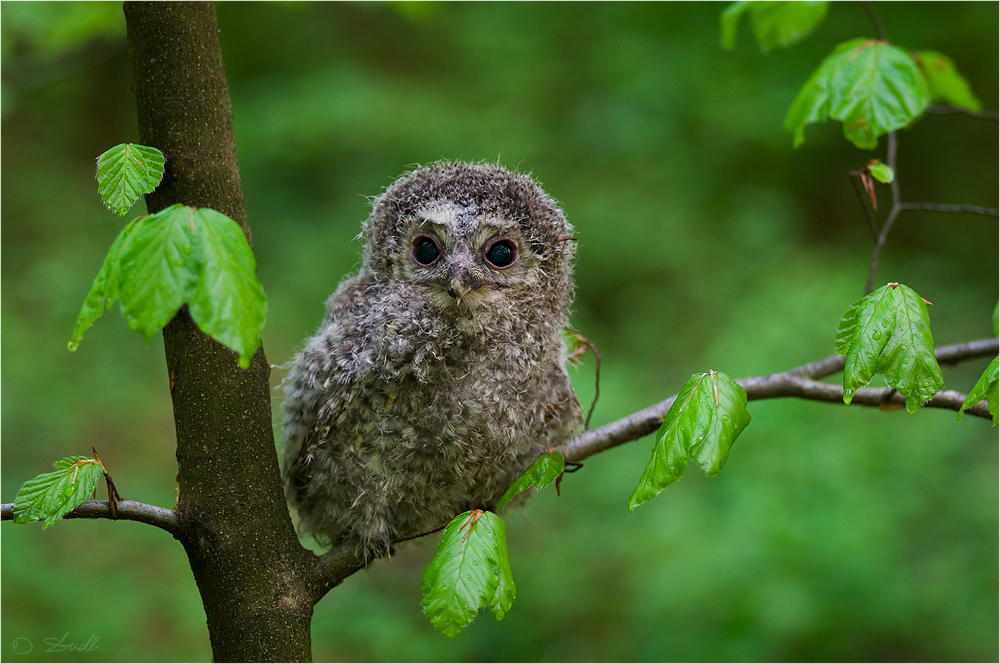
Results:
x,y
246,558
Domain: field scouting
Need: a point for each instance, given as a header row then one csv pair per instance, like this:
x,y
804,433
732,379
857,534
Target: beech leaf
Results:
x,y
182,255
871,86
469,572
985,388
50,496
704,421
774,24
944,82
542,472
890,334
126,172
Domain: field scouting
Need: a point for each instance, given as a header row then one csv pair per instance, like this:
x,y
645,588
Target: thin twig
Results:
x,y
876,21
855,178
890,219
127,510
597,379
419,535
877,250
947,207
891,159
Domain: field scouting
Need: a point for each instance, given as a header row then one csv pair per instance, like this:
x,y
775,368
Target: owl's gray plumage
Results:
x,y
429,388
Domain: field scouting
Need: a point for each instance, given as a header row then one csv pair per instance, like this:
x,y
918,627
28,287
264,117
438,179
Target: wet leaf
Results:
x,y
469,572
704,421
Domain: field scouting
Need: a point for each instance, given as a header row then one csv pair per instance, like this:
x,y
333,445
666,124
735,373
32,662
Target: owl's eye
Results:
x,y
501,254
425,250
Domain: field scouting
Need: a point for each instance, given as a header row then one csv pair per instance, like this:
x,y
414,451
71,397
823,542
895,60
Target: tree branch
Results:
x,y
786,385
127,510
332,568
798,382
945,207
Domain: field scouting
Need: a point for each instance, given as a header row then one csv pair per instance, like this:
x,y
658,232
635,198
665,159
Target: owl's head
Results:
x,y
471,234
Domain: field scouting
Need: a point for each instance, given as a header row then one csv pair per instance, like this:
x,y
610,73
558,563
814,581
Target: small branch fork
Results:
x,y
861,177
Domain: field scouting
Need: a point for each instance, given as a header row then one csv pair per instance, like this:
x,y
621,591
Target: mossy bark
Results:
x,y
249,566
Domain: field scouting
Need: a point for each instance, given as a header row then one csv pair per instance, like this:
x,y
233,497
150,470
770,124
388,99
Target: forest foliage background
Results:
x,y
705,241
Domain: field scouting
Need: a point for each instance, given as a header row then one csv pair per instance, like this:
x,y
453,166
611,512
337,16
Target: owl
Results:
x,y
439,371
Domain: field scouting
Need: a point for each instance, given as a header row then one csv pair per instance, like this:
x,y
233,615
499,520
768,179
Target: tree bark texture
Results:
x,y
233,520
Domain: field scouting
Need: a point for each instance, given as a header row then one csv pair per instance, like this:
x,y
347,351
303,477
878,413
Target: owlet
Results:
x,y
439,371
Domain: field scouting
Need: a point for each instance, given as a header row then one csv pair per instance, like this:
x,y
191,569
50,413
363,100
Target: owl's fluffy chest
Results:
x,y
434,388
419,417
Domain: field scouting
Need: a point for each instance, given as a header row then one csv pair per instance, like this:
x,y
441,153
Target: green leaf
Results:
x,y
848,323
126,172
469,572
228,302
704,421
871,86
50,496
880,171
729,20
104,290
907,362
156,274
944,82
986,388
541,473
176,256
874,321
892,336
775,24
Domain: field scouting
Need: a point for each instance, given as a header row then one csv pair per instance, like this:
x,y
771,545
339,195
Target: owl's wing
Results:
x,y
318,383
299,471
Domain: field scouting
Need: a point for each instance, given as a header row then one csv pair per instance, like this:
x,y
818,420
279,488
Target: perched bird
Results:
x,y
439,371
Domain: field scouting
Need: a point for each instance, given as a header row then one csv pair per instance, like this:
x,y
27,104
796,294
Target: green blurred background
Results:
x,y
705,241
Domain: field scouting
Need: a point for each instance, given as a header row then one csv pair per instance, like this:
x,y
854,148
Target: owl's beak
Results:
x,y
457,289
462,281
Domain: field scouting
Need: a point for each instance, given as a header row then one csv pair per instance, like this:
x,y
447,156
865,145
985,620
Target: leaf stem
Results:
x,y
876,21
855,178
890,220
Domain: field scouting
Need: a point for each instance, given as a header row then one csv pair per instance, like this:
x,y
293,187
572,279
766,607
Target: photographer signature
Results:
x,y
24,645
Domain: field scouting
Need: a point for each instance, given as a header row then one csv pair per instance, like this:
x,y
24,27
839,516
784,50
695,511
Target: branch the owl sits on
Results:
x,y
439,371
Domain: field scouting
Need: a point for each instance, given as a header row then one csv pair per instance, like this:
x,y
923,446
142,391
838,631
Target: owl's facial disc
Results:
x,y
469,258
